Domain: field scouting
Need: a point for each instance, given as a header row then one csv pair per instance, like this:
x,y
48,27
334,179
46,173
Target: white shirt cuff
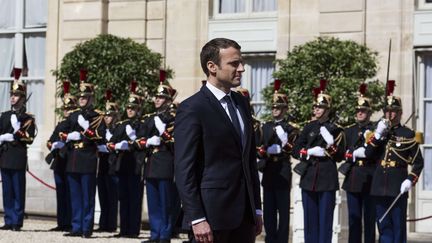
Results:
x,y
259,212
196,221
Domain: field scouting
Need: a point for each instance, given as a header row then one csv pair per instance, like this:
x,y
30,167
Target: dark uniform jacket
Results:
x,y
59,159
359,178
13,155
395,150
103,165
160,159
82,155
321,173
128,162
277,170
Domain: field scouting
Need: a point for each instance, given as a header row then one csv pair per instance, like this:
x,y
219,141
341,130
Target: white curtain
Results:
x,y
7,45
35,50
7,14
231,6
264,5
261,76
36,13
428,124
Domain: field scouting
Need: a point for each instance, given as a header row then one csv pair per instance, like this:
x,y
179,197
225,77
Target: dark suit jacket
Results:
x,y
215,177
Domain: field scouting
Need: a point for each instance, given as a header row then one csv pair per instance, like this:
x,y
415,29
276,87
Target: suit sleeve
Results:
x,y
188,137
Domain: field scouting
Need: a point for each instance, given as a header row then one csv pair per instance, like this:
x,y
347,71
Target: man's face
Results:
x,y
362,115
15,99
159,101
83,101
131,112
108,119
278,112
230,69
319,112
66,113
394,115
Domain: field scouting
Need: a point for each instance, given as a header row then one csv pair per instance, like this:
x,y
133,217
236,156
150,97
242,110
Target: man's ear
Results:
x,y
212,67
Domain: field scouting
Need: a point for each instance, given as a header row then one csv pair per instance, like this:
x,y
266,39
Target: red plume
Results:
x,y
390,87
83,75
162,75
108,95
17,73
316,92
323,84
277,85
133,86
363,88
66,87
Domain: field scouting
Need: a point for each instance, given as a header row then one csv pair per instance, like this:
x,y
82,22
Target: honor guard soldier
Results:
x,y
358,171
81,137
57,161
17,130
395,147
159,168
128,163
278,140
107,181
319,146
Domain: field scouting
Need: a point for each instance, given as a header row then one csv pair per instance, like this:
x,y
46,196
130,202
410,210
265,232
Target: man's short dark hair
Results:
x,y
210,51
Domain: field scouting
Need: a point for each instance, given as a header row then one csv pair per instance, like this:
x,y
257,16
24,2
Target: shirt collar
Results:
x,y
219,94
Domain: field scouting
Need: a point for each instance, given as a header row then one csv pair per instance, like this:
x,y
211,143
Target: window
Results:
x,y
424,4
22,42
426,103
244,7
257,76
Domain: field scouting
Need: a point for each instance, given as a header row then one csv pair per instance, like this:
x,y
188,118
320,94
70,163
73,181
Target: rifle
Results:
x,y
345,168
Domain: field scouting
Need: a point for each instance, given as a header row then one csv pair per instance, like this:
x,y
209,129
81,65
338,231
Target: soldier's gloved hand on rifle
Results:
x,y
316,151
131,132
108,135
282,135
16,125
328,138
83,122
359,153
153,141
405,186
381,127
274,149
73,136
122,145
159,125
102,148
7,137
57,145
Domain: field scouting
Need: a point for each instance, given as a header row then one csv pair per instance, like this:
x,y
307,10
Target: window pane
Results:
x,y
427,170
7,44
7,14
428,123
36,13
261,76
264,5
428,76
231,6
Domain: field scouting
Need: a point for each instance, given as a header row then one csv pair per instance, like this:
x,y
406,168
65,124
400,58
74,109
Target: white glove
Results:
x,y
327,136
274,149
131,132
73,136
102,148
159,125
108,135
359,153
16,125
405,186
155,141
57,145
122,145
380,129
7,137
83,122
316,151
283,136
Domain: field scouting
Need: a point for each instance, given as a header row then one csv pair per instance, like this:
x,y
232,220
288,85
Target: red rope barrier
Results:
x,y
41,181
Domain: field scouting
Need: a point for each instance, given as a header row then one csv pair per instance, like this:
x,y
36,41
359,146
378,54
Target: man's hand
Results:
x,y
131,132
202,232
16,125
108,135
359,153
283,136
159,125
7,137
57,145
327,136
73,136
316,151
405,186
154,141
259,225
381,127
83,122
122,145
274,149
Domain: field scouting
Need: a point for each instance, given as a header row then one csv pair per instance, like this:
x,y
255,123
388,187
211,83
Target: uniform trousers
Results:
x,y
393,227
83,191
160,206
276,206
318,208
361,205
13,185
130,196
63,199
107,187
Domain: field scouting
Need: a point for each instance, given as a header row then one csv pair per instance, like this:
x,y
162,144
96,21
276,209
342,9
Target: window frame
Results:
x,y
247,14
423,5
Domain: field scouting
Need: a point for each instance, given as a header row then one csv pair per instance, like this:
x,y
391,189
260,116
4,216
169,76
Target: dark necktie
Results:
x,y
233,114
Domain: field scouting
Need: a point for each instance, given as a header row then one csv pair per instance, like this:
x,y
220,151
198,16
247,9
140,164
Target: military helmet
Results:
x,y
85,89
69,101
363,102
392,102
111,106
279,99
322,99
18,87
244,92
164,89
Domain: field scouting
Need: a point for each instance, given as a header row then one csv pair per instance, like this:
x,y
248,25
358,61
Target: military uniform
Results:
x,y
17,130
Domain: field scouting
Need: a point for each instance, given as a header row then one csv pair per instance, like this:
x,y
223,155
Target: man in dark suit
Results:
x,y
215,157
